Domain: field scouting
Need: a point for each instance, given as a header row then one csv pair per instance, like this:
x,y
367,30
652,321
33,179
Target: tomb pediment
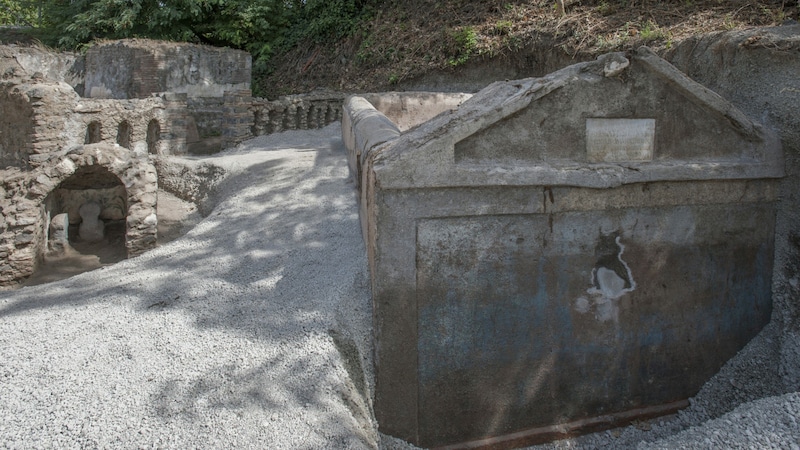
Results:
x,y
632,117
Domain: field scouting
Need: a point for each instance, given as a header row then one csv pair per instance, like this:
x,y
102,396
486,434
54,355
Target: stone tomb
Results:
x,y
562,254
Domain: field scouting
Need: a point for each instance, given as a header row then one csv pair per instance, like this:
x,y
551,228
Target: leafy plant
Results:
x,y
503,27
19,12
651,32
463,43
325,20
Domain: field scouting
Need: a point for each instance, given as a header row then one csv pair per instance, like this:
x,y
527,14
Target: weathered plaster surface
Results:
x,y
519,281
136,68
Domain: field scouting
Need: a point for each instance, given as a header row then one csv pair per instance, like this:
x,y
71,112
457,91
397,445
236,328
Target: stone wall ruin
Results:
x,y
68,162
121,183
148,98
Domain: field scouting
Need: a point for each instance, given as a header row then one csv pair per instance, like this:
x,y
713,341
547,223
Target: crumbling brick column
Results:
x,y
237,120
173,132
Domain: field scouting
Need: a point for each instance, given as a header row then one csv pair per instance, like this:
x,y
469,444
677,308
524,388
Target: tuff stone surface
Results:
x,y
33,197
138,68
757,71
517,277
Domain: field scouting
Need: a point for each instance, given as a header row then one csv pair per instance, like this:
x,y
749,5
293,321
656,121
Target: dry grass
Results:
x,y
408,38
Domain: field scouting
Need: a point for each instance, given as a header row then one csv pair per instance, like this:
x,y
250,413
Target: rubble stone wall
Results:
x,y
55,66
16,127
24,211
43,118
110,114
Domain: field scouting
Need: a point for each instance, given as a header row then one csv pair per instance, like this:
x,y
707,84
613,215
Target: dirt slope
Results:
x,y
409,40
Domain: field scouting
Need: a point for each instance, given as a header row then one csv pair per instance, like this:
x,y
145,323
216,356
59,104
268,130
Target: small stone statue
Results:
x,y
91,228
58,242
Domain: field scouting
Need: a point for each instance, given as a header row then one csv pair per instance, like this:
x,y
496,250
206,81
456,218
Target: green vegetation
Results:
x,y
261,27
463,43
245,24
19,12
300,45
651,32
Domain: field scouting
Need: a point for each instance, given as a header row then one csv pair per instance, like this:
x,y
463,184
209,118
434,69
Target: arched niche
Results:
x,y
124,134
40,199
153,136
95,202
94,133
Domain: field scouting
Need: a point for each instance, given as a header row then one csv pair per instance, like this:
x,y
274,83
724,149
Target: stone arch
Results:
x,y
153,136
124,134
94,133
90,187
105,164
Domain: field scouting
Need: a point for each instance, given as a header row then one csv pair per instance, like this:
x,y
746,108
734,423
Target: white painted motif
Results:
x,y
607,288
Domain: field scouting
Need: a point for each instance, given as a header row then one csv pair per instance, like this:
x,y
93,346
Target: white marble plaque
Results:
x,y
620,140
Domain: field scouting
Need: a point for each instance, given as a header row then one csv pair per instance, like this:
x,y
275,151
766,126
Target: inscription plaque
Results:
x,y
620,140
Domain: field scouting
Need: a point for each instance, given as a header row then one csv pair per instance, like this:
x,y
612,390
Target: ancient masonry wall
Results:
x,y
134,68
47,118
295,112
24,212
236,116
112,116
21,228
205,112
16,127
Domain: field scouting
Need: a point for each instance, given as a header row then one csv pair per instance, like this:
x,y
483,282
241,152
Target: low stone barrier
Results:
x,y
409,109
370,120
296,112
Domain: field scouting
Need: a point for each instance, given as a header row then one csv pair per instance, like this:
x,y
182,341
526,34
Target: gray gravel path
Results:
x,y
232,336
253,331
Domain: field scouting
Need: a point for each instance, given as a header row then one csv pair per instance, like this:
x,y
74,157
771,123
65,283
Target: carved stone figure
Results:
x,y
91,228
59,239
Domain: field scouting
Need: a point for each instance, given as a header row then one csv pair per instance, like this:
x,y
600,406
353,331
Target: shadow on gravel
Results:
x,y
279,260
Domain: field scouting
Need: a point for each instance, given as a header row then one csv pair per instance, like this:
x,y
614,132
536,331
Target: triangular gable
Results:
x,y
630,118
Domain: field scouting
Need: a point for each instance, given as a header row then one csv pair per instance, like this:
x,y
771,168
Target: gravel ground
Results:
x,y
240,334
253,331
